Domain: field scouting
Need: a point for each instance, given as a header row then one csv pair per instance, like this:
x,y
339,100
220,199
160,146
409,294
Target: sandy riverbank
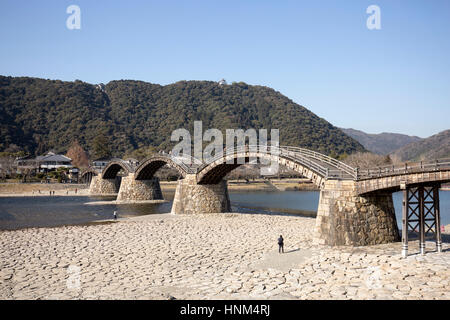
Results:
x,y
42,189
223,256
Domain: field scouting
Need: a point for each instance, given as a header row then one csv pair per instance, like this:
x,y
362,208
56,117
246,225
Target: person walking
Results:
x,y
115,215
280,244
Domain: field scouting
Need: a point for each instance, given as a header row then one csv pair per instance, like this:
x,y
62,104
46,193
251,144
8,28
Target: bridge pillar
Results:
x,y
191,198
101,186
132,189
344,218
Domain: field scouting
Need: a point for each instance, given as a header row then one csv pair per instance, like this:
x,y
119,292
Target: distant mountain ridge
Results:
x,y
382,143
435,147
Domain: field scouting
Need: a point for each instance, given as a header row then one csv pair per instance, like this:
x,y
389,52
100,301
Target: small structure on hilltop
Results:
x,y
100,86
222,82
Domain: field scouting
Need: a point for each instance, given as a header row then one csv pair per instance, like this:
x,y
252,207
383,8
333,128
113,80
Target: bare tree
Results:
x,y
78,155
26,174
367,160
6,166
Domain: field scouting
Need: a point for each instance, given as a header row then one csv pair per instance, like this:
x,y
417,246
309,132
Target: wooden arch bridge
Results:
x,y
355,206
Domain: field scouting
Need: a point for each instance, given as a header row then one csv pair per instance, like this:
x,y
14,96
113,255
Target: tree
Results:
x,y
13,149
141,153
388,160
41,147
367,160
101,147
78,155
136,114
6,166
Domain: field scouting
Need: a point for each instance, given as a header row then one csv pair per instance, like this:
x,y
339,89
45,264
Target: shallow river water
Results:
x,y
25,212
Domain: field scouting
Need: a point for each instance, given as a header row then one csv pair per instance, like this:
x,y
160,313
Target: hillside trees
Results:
x,y
39,115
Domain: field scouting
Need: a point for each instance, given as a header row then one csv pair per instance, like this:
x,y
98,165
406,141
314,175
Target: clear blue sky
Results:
x,y
318,53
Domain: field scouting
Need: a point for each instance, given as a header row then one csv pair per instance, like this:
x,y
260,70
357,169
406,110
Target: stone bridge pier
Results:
x,y
136,190
100,186
345,218
191,197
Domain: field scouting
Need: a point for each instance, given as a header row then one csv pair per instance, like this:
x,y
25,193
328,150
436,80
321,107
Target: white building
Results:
x,y
53,161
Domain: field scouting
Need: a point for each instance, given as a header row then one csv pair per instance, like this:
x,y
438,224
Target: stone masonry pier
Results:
x,y
101,186
191,197
135,190
344,218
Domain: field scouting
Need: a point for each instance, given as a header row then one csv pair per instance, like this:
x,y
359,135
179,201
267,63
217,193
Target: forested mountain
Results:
x,y
38,115
382,143
434,147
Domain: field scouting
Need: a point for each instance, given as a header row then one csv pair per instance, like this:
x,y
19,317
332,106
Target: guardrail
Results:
x,y
338,169
129,166
317,162
188,163
406,168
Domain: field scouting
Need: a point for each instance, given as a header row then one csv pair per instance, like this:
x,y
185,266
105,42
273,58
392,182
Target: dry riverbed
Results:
x,y
216,256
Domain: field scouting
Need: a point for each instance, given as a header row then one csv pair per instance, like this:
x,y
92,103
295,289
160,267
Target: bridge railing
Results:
x,y
337,167
317,162
129,167
392,170
188,163
305,161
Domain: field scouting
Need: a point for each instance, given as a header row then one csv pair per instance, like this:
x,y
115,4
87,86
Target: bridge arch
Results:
x,y
87,174
113,168
215,171
147,169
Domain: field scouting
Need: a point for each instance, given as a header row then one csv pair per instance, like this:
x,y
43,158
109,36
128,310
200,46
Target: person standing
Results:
x,y
280,244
